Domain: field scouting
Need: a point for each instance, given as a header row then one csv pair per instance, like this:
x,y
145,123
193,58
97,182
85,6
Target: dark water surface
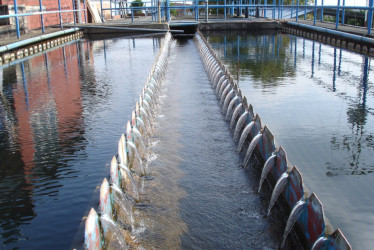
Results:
x,y
61,115
318,101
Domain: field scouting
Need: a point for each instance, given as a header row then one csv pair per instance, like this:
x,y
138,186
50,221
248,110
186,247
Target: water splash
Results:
x,y
231,107
129,180
235,115
151,157
294,216
281,183
244,136
240,124
125,204
111,226
251,148
265,170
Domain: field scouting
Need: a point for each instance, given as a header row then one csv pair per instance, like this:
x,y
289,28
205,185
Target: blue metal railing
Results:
x,y
41,13
274,10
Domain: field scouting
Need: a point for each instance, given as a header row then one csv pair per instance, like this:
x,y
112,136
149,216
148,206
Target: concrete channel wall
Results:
x,y
16,51
336,38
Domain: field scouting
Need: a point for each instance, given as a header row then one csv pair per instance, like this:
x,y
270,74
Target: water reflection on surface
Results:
x,y
55,111
318,101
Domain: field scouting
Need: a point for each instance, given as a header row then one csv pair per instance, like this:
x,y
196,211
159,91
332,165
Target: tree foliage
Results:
x,y
137,3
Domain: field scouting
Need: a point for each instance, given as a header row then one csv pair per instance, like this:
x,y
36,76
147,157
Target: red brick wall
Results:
x,y
33,22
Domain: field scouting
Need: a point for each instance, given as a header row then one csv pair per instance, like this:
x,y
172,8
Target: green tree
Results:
x,y
137,3
173,12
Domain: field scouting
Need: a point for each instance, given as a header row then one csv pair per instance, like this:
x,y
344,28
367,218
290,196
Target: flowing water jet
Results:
x,y
131,186
231,107
297,210
251,148
227,101
244,136
224,93
235,115
125,206
137,156
281,183
111,227
242,119
269,164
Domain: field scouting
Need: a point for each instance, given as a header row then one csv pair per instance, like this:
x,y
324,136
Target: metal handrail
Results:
x,y
295,8
40,13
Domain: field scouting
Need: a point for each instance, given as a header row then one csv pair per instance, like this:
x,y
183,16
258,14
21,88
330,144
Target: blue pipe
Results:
x,y
322,12
17,20
41,16
353,37
16,45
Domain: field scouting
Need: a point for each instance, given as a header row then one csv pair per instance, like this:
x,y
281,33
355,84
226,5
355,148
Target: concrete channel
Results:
x,y
304,208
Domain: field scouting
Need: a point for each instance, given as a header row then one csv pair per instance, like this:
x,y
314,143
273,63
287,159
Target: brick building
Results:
x,y
30,6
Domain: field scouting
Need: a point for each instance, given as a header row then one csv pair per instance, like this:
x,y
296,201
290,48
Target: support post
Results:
x,y
206,10
322,11
266,2
337,15
79,11
102,14
41,16
343,12
273,9
159,10
85,11
224,9
297,10
111,11
315,12
293,3
281,9
167,11
305,12
59,14
74,14
370,16
197,10
17,19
